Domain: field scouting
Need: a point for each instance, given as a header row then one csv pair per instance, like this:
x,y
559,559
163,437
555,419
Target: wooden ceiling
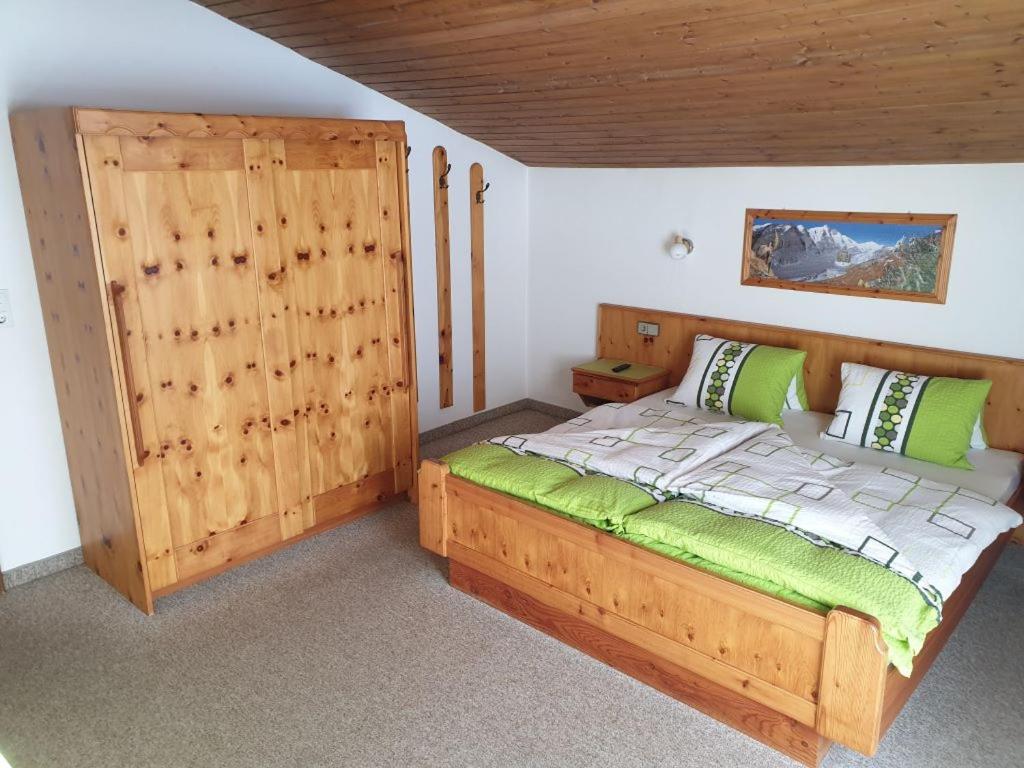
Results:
x,y
684,82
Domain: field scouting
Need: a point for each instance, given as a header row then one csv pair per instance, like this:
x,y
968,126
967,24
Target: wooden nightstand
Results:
x,y
597,384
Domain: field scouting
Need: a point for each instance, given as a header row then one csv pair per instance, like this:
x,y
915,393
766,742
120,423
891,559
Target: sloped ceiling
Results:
x,y
684,83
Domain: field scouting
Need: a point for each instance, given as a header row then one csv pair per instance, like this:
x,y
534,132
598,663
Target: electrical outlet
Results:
x,y
5,308
648,329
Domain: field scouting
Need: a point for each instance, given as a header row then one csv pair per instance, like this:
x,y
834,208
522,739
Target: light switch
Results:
x,y
5,308
648,329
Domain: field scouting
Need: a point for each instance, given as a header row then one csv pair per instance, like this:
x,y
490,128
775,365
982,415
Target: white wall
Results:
x,y
176,56
600,236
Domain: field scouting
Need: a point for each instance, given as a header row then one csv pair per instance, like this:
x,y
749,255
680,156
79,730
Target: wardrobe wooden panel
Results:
x,y
402,151
142,153
285,364
399,342
315,155
191,251
104,162
78,334
328,235
121,122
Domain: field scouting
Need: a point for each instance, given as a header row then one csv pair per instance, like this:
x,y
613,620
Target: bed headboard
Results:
x,y
617,336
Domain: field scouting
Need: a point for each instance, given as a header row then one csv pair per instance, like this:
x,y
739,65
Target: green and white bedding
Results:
x,y
740,499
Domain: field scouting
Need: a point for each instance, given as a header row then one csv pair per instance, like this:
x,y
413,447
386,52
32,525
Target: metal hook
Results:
x,y
480,192
442,181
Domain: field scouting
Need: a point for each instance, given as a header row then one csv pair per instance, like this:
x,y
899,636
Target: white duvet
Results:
x,y
928,532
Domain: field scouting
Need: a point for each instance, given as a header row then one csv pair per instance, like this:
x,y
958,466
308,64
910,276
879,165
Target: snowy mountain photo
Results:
x,y
864,256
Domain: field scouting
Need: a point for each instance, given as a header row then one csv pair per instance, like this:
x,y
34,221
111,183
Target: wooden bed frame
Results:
x,y
794,678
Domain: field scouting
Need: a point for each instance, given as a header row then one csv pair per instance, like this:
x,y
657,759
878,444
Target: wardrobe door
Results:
x,y
174,230
328,242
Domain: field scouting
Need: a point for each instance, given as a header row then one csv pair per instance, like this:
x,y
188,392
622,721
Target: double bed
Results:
x,y
795,643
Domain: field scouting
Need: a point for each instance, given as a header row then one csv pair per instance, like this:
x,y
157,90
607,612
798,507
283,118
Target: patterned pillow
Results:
x,y
741,379
931,418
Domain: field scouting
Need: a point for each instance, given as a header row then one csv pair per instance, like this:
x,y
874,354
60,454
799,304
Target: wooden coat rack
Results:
x,y
442,246
477,188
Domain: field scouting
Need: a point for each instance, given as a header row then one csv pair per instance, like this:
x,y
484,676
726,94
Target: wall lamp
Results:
x,y
680,248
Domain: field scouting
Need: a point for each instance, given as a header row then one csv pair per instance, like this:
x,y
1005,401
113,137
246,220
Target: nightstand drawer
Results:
x,y
604,389
615,390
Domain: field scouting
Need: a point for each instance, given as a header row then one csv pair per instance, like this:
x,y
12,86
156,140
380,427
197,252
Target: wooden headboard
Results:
x,y
617,336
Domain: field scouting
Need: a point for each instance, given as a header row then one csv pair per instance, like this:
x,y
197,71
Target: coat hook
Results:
x,y
408,151
480,192
442,181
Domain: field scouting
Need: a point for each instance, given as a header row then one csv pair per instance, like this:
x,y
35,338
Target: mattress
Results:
x,y
996,473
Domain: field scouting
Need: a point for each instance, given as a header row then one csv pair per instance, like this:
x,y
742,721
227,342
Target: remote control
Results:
x,y
621,368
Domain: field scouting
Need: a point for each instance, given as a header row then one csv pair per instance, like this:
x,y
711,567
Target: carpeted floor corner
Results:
x,y
350,649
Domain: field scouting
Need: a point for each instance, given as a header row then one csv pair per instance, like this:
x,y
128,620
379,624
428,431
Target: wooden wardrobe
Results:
x,y
228,308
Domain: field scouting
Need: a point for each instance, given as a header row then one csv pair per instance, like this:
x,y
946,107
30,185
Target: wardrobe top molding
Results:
x,y
117,122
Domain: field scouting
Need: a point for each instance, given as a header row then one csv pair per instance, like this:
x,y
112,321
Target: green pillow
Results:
x,y
740,379
931,418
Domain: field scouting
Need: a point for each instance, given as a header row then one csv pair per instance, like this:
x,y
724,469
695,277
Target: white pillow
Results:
x,y
978,439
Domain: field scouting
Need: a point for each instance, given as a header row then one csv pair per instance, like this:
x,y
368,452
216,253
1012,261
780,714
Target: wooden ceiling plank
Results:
x,y
705,47
422,16
321,12
922,120
988,109
672,24
605,22
239,9
513,24
883,92
688,82
918,70
889,51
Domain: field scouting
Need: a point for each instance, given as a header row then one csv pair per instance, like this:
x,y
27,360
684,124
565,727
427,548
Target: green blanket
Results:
x,y
756,554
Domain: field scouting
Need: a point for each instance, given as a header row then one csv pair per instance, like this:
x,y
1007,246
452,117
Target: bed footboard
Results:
x,y
793,678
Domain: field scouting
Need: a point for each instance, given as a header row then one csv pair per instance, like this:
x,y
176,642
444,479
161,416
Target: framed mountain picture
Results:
x,y
885,255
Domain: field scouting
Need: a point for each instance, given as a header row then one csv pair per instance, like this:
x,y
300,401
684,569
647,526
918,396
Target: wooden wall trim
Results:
x,y
1004,413
137,123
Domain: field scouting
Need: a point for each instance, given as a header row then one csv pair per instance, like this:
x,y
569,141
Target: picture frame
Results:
x,y
903,256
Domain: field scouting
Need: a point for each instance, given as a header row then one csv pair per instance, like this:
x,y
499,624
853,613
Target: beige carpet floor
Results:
x,y
351,649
